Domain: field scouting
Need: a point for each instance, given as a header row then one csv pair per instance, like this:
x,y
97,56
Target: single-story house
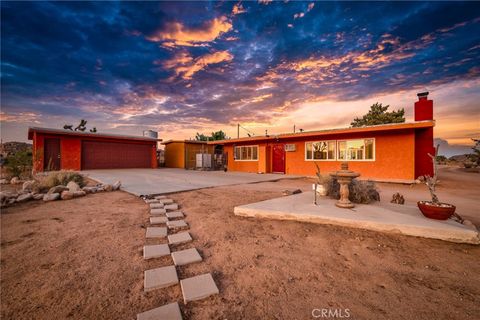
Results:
x,y
188,154
59,149
389,152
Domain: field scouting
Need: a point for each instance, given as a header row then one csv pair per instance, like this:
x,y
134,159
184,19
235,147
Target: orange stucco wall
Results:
x,y
175,155
394,157
70,151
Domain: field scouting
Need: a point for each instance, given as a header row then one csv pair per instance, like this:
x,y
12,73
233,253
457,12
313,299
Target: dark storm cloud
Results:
x,y
188,63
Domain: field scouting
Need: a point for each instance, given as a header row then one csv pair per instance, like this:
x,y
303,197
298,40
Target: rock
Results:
x,y
30,185
57,189
73,186
15,180
117,185
397,198
290,192
11,200
67,195
78,194
107,187
38,196
25,197
4,181
90,189
51,196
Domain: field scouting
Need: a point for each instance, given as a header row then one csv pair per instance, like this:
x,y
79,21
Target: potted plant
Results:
x,y
434,209
319,186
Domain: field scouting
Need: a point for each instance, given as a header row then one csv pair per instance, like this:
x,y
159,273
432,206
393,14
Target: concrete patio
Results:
x,y
390,218
169,180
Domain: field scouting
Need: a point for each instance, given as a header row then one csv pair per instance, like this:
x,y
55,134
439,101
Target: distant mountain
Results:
x,y
459,157
13,147
450,150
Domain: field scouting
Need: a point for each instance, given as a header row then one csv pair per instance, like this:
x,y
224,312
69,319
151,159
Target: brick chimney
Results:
x,y
423,107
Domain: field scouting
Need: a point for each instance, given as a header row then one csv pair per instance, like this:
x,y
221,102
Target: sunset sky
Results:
x,y
186,67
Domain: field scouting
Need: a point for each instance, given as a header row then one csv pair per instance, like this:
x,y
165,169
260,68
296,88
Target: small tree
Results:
x,y
18,163
378,114
431,182
475,157
218,135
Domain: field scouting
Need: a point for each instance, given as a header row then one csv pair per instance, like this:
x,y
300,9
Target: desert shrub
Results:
x,y
55,178
361,191
19,164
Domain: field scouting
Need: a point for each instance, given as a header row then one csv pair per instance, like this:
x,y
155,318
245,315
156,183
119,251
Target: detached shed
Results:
x,y
57,149
188,154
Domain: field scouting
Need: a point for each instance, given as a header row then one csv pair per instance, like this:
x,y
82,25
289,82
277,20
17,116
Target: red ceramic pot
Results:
x,y
443,211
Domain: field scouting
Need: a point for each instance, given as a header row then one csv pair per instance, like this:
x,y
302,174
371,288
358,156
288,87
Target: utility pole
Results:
x,y
293,128
238,130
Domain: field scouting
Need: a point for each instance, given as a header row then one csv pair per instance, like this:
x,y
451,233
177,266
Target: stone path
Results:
x,y
162,211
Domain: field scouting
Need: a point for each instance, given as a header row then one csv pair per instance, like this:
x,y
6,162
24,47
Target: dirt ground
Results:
x,y
82,259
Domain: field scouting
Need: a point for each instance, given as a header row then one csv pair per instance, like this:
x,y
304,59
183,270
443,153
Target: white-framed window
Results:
x,y
320,150
246,153
356,150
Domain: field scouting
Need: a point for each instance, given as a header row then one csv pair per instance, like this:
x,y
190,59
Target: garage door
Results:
x,y
115,155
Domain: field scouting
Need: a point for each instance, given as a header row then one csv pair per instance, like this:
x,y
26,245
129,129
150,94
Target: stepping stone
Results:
x,y
160,278
155,251
169,311
156,206
151,201
160,197
177,224
172,207
178,238
166,201
158,220
175,214
157,212
183,257
197,288
156,232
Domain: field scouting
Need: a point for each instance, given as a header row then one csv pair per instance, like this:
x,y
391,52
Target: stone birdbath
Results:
x,y
344,178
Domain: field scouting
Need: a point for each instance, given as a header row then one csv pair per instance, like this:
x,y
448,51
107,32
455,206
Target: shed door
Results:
x,y
115,155
278,158
51,159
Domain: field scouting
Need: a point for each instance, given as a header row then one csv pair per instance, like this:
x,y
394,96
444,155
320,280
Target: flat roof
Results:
x,y
326,132
31,130
184,141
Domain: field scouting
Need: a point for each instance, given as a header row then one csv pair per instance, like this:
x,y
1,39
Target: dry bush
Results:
x,y
361,191
55,178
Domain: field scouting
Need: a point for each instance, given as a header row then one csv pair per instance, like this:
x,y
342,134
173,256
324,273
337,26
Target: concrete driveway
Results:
x,y
168,180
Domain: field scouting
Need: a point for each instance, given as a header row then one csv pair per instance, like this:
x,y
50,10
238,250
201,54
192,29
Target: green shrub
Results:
x,y
361,191
55,178
19,163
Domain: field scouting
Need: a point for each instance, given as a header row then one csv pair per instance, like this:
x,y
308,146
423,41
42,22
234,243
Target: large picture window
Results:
x,y
246,153
320,150
360,149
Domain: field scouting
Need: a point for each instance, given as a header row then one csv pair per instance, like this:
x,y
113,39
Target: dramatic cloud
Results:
x,y
176,34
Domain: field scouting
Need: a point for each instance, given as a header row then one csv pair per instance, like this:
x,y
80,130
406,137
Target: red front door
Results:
x,y
51,159
278,158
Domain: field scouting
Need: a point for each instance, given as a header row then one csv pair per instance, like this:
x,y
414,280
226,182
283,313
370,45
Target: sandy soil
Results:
x,y
81,259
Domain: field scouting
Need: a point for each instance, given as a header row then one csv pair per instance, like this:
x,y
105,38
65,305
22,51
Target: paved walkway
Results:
x,y
168,180
193,288
402,219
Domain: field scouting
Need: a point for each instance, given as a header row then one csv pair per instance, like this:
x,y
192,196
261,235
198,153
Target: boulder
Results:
x,y
117,185
15,180
38,196
4,181
67,195
107,187
30,185
51,196
57,189
90,189
78,194
11,200
73,186
24,197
